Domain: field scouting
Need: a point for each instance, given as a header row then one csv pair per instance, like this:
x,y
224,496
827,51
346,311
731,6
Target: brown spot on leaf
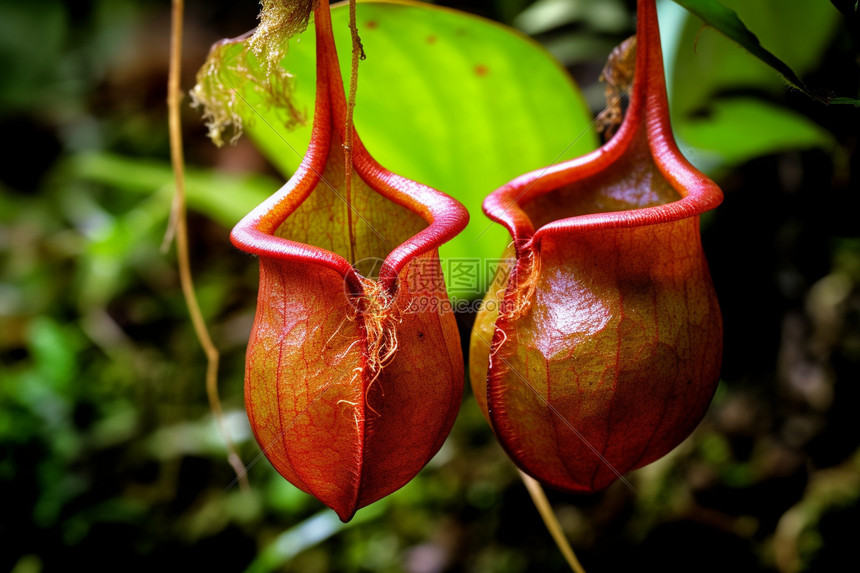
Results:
x,y
431,39
372,25
481,70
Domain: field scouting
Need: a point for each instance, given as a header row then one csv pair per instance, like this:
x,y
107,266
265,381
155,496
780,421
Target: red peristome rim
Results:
x,y
445,216
648,103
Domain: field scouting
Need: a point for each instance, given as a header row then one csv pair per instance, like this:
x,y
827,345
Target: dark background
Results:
x,y
109,457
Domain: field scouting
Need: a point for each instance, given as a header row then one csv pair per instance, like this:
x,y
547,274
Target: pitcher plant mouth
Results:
x,y
645,131
256,232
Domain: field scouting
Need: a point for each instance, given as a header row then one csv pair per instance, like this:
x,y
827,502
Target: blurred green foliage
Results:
x,y
109,457
728,113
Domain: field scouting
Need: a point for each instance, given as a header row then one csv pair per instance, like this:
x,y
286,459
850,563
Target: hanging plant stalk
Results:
x,y
179,227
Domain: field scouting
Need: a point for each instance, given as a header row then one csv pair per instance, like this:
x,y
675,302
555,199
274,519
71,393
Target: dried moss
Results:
x,y
227,72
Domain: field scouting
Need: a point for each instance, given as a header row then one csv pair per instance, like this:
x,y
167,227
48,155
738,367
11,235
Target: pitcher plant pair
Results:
x,y
598,346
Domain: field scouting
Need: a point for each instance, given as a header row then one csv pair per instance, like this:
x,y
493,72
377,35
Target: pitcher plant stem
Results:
x,y
545,509
180,223
357,54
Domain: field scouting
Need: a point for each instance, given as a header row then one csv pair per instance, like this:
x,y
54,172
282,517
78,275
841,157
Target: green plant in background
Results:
x,y
108,449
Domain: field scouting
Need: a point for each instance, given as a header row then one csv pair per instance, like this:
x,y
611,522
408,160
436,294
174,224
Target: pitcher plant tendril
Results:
x,y
178,218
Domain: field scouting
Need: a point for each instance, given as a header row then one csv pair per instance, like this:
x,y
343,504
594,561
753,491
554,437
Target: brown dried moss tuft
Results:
x,y
231,64
618,75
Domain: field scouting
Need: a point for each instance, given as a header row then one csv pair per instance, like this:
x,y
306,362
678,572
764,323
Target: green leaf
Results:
x,y
451,100
608,16
738,129
812,21
307,534
31,46
843,101
727,21
54,349
224,197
